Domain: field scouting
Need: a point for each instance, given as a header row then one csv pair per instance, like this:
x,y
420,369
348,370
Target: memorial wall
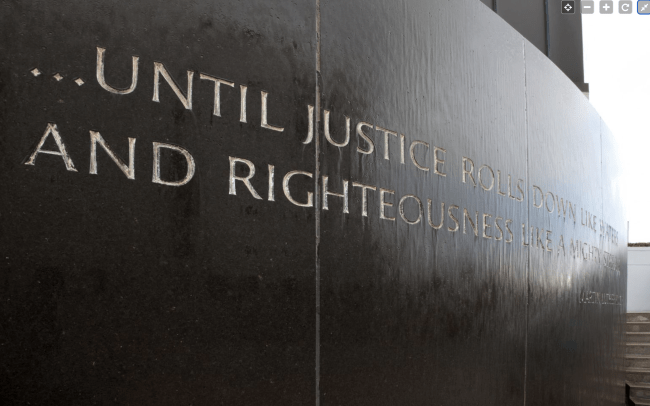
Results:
x,y
290,203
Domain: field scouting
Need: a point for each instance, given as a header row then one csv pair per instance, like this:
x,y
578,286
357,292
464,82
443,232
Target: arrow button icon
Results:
x,y
643,7
568,7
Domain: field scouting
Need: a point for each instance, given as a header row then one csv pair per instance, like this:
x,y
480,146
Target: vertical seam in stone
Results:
x,y
317,212
602,191
548,29
527,223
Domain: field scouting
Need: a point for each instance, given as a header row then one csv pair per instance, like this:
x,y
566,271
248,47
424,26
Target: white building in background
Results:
x,y
638,278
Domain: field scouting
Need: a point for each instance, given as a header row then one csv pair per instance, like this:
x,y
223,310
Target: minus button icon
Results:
x,y
587,7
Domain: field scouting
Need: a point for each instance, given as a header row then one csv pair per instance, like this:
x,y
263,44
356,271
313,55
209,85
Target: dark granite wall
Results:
x,y
557,35
449,285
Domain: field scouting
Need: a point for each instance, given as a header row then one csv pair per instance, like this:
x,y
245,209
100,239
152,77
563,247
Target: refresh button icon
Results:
x,y
625,7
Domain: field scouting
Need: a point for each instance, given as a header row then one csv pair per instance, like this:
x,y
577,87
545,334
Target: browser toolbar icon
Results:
x,y
643,7
568,7
625,7
606,7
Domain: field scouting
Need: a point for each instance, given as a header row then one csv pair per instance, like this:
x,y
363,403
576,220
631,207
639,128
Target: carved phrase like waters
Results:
x,y
329,202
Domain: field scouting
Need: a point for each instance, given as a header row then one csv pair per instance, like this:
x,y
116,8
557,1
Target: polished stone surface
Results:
x,y
322,277
434,315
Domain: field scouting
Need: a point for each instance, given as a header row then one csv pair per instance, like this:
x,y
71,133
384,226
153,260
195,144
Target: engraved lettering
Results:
x,y
364,196
512,236
401,209
486,226
95,138
468,170
271,196
265,122
383,203
438,161
160,70
496,223
386,134
326,193
102,81
539,240
473,223
310,131
520,188
245,179
560,245
499,183
541,196
592,221
561,207
412,152
216,110
442,215
552,201
572,212
326,124
480,178
360,133
243,90
523,236
574,247
52,129
453,218
287,193
157,146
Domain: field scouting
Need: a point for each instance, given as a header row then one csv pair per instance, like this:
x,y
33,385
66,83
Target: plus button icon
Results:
x,y
606,7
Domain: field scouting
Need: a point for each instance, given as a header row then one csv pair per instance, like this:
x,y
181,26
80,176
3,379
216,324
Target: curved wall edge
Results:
x,y
333,202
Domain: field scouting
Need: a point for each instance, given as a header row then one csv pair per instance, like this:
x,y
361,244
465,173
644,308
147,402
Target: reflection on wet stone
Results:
x,y
301,203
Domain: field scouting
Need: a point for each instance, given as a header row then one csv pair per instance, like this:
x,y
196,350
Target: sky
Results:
x,y
617,68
